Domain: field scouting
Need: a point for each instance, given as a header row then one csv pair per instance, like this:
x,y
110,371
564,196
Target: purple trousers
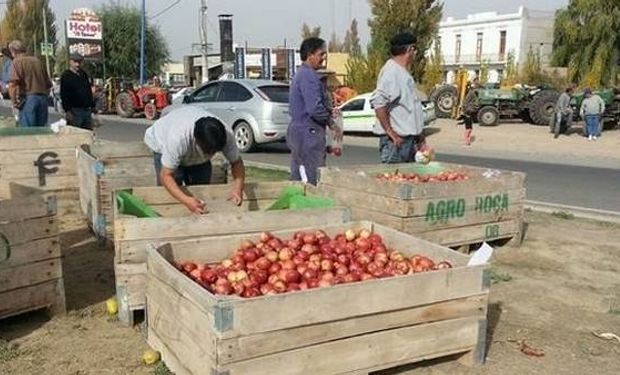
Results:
x,y
307,145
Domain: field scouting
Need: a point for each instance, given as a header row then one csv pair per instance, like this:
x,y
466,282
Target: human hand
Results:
x,y
236,196
396,139
196,206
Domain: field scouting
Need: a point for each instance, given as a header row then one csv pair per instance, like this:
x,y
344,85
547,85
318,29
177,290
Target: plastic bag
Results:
x,y
334,142
425,153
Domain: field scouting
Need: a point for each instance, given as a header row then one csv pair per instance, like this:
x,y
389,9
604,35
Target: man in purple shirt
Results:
x,y
310,113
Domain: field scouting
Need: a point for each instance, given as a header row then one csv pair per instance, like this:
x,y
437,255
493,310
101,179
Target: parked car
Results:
x,y
177,94
358,116
255,110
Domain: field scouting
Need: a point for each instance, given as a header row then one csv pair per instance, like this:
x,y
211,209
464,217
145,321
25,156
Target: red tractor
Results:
x,y
148,99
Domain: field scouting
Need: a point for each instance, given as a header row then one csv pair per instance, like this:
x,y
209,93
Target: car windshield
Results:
x,y
277,94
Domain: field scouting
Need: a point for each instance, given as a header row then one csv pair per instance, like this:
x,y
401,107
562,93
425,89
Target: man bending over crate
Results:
x,y
397,104
183,143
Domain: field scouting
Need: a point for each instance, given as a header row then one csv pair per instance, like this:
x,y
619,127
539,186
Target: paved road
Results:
x,y
597,188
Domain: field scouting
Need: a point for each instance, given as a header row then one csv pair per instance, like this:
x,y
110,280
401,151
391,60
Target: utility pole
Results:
x,y
205,46
47,57
142,41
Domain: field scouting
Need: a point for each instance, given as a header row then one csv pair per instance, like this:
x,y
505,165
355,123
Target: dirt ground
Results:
x,y
553,292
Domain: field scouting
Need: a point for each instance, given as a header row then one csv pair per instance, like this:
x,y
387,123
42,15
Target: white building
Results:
x,y
490,37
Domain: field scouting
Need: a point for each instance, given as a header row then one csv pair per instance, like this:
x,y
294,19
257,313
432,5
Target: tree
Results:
x,y
121,28
363,71
351,44
334,44
23,20
587,41
420,17
483,77
511,77
532,73
307,32
433,71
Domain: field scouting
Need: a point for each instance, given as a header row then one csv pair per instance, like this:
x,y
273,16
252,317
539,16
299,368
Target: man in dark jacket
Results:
x,y
76,94
310,114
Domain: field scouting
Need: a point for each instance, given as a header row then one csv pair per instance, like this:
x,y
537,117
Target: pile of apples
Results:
x,y
308,260
423,178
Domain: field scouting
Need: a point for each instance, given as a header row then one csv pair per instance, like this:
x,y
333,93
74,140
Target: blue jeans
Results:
x,y
592,125
392,155
80,117
192,175
34,111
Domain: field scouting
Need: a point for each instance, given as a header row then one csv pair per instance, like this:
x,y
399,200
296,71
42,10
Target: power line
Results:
x,y
166,9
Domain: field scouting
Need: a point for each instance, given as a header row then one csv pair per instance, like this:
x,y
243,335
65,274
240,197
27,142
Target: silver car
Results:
x,y
255,110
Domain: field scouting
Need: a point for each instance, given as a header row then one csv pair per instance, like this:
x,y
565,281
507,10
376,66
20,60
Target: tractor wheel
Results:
x,y
445,98
542,106
244,137
150,111
124,105
488,116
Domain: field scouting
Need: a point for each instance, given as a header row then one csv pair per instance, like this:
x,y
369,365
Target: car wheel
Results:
x,y
244,137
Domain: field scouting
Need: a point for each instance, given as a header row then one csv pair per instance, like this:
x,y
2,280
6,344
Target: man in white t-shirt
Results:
x,y
183,143
397,104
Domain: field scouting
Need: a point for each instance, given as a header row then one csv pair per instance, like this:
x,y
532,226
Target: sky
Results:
x,y
268,23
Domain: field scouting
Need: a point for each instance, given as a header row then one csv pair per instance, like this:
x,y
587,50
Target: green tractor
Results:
x,y
611,97
532,104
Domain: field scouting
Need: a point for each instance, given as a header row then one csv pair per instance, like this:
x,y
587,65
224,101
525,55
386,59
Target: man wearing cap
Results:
x,y
76,95
397,105
592,109
29,86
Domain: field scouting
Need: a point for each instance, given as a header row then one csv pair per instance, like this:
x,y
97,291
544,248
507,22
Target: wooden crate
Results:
x,y
346,329
131,234
46,162
30,258
107,166
448,213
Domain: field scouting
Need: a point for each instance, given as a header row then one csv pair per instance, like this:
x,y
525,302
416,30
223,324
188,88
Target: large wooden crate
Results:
x,y
346,329
131,234
107,166
39,158
30,258
488,206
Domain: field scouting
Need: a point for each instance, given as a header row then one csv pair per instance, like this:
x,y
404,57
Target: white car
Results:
x,y
358,116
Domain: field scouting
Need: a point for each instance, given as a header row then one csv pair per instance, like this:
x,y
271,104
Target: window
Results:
x,y
276,94
233,92
356,105
457,52
479,47
206,94
502,44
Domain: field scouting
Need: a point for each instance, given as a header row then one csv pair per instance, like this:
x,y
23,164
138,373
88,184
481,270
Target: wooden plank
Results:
x,y
473,233
173,363
110,149
212,225
35,251
414,343
420,206
53,182
213,206
69,137
364,179
12,157
22,232
24,208
87,183
30,298
30,274
26,169
247,347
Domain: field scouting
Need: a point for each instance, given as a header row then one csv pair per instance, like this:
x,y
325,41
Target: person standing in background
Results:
x,y
76,94
29,87
397,105
592,109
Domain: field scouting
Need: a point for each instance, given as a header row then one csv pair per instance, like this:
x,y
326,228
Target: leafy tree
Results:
x,y
532,73
363,71
121,28
484,72
23,20
587,41
351,44
511,76
334,44
307,32
420,17
433,72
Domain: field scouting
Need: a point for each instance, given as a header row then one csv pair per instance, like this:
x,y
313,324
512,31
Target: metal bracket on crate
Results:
x,y
481,346
405,191
100,225
52,205
347,215
217,372
486,280
99,168
223,316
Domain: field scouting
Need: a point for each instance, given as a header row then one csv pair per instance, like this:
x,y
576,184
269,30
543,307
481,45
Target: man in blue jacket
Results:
x,y
310,113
